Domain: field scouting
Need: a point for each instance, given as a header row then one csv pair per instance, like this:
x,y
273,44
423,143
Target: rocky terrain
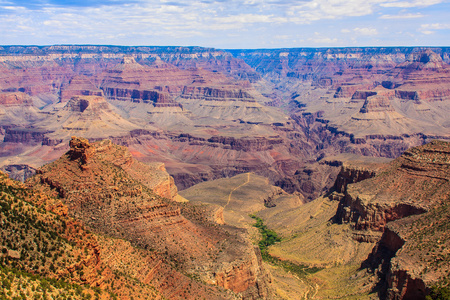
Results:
x,y
381,232
189,105
305,131
114,194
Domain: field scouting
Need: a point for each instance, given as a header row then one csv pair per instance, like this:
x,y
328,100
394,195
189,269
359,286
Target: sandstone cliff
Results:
x,y
78,86
194,91
414,183
110,192
404,201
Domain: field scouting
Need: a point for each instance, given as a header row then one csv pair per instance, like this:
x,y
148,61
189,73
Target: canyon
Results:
x,y
164,152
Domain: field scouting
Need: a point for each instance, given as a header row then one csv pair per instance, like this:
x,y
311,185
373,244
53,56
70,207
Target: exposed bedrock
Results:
x,y
15,99
247,143
28,136
406,201
366,216
352,173
157,98
216,93
433,93
407,187
348,90
19,172
79,86
114,194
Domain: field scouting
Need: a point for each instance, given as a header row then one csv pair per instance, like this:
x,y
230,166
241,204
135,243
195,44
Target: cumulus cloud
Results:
x,y
411,3
324,40
365,31
171,21
431,28
403,16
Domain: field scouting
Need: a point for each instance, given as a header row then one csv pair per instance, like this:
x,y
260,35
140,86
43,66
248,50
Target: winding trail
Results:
x,y
241,185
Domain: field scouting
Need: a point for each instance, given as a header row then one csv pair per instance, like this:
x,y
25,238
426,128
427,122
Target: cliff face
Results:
x,y
111,194
407,187
78,86
353,173
364,101
39,237
408,202
17,109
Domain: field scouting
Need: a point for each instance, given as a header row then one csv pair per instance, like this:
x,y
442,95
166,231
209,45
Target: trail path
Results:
x,y
239,186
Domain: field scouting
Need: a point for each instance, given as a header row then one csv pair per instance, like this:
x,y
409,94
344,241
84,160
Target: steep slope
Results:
x,y
362,97
215,113
414,183
110,192
47,253
88,115
408,202
78,86
309,241
17,109
382,232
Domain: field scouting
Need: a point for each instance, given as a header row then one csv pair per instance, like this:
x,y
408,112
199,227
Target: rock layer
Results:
x,y
110,193
415,175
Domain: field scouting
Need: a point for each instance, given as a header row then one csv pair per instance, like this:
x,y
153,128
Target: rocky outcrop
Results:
x,y
353,173
423,77
216,93
421,60
348,90
17,109
91,116
245,277
100,264
27,136
407,187
375,101
15,99
156,98
111,193
79,86
19,172
250,144
411,256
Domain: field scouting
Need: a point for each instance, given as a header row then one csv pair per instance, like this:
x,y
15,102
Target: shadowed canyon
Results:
x,y
198,173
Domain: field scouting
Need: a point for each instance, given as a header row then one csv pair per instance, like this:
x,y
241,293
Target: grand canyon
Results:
x,y
200,173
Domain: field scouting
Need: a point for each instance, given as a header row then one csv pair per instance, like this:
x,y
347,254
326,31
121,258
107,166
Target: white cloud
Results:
x,y
245,18
324,40
365,31
413,3
281,37
403,16
248,22
431,28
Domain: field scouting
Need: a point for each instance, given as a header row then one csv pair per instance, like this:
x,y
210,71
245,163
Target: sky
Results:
x,y
226,24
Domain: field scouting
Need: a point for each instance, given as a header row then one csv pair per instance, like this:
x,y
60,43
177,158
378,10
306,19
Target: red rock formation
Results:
x,y
79,86
353,173
408,187
106,188
347,90
15,99
423,77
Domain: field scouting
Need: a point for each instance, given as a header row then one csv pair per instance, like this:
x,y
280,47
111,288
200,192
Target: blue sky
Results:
x,y
227,24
